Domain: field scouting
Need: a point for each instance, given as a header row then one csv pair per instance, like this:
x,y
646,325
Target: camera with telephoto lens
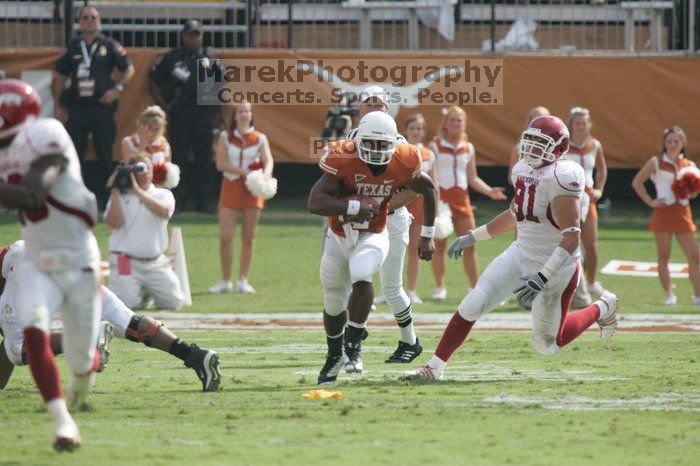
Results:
x,y
123,179
339,118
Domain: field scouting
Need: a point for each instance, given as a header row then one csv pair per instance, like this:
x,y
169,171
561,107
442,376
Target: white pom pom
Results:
x,y
259,184
443,222
172,176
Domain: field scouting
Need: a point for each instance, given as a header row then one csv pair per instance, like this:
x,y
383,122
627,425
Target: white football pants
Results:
x,y
68,283
504,274
343,264
391,272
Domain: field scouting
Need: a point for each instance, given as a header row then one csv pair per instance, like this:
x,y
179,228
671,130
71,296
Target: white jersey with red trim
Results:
x,y
533,204
64,223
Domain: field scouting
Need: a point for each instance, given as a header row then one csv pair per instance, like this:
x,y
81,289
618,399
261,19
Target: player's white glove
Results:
x,y
457,247
528,291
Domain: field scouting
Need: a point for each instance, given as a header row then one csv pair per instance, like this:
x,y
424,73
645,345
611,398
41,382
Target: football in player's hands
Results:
x,y
369,207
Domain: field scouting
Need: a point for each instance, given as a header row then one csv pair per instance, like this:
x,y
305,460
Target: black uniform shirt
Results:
x,y
167,73
98,58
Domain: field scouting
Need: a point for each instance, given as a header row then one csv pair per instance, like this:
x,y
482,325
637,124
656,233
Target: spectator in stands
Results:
x,y
138,214
515,153
88,104
671,215
239,151
456,172
173,84
587,151
149,137
414,128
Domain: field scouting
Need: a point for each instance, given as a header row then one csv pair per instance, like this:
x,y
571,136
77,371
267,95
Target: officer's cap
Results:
x,y
192,25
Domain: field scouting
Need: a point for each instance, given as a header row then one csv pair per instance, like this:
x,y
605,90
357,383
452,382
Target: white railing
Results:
x,y
505,26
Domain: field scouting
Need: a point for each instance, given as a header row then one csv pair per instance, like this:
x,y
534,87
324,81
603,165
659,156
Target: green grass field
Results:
x,y
634,399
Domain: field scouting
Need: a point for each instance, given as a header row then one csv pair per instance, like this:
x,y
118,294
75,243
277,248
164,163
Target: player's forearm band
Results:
x,y
559,257
481,233
353,207
427,232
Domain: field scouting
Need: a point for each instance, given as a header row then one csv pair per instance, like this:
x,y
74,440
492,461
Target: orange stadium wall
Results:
x,y
632,99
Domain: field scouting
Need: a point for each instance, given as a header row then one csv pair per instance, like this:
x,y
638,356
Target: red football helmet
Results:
x,y
544,141
19,102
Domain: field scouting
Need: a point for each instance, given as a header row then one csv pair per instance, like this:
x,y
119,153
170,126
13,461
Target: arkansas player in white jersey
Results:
x,y
118,321
546,212
40,175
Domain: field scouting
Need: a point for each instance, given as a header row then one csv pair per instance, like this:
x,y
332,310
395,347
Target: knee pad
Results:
x,y
473,305
545,344
334,301
133,334
365,269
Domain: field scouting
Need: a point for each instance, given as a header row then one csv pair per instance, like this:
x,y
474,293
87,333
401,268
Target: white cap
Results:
x,y
374,91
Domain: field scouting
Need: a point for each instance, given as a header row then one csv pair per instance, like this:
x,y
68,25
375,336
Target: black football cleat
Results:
x,y
405,353
206,365
331,369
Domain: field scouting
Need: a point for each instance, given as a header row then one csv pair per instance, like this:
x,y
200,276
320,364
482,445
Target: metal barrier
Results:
x,y
503,26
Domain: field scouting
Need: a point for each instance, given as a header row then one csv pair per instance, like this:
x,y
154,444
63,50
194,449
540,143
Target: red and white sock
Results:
x,y
575,323
452,338
43,364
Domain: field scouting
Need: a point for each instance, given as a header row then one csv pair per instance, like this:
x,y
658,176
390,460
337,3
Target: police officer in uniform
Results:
x,y
174,87
91,99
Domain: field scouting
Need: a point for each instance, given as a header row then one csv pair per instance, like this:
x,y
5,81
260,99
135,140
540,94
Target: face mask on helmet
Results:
x,y
537,148
376,151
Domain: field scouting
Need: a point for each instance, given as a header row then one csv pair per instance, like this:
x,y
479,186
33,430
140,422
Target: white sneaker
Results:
x,y
222,286
244,287
424,372
415,299
103,339
67,437
379,299
608,315
596,289
696,300
440,293
670,300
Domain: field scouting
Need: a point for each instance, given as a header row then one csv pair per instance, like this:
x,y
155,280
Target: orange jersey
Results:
x,y
343,162
158,149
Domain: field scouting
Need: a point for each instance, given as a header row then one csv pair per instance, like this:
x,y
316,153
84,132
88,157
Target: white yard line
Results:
x,y
518,321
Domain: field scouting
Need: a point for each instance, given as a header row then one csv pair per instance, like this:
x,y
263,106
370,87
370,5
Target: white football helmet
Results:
x,y
13,257
376,138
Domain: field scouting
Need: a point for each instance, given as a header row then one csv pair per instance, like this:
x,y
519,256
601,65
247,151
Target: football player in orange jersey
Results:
x,y
375,166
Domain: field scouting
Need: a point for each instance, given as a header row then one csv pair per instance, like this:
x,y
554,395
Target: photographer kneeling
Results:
x,y
138,213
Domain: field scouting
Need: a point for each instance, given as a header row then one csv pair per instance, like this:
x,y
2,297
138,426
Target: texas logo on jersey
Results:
x,y
342,161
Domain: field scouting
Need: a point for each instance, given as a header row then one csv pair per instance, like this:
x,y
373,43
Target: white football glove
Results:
x,y
457,247
528,291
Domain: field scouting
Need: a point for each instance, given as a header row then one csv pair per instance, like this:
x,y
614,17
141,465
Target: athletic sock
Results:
x,y
59,411
42,364
180,349
456,332
575,323
79,388
96,360
353,334
405,321
335,344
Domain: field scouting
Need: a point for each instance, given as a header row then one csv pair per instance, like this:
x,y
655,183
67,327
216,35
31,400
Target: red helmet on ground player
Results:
x,y
19,103
544,141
